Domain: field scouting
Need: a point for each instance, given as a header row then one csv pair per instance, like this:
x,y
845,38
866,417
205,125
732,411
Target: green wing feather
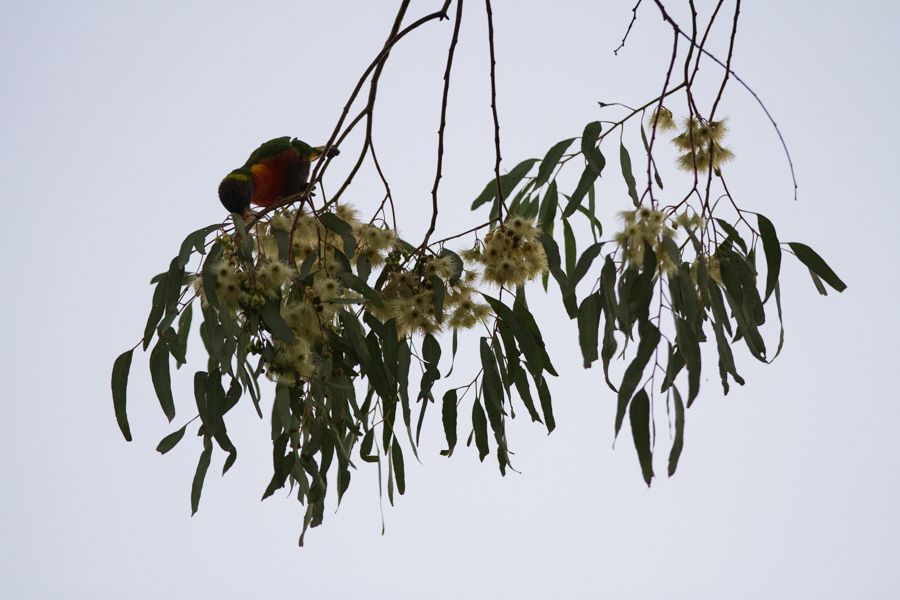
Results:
x,y
269,149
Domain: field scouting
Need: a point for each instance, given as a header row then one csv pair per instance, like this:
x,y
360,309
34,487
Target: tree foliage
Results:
x,y
341,313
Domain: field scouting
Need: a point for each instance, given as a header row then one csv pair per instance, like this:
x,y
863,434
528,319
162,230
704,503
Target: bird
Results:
x,y
277,169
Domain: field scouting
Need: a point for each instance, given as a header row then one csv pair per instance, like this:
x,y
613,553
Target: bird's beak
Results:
x,y
320,150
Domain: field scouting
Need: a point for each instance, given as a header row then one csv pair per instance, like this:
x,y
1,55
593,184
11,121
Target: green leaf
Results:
x,y
589,149
588,326
639,415
184,329
571,249
479,425
584,263
399,471
588,177
648,336
689,348
546,405
157,307
567,291
438,291
335,223
678,442
200,474
508,182
271,314
119,387
358,285
493,400
448,416
732,234
772,250
169,442
625,160
162,383
195,241
551,159
173,285
548,209
207,275
458,265
816,265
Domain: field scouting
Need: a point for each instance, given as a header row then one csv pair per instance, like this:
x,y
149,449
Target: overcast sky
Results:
x,y
118,120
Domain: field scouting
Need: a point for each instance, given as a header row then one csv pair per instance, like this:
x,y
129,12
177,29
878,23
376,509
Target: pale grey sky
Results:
x,y
118,121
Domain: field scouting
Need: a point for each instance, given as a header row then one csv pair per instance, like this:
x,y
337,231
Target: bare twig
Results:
x,y
440,149
490,20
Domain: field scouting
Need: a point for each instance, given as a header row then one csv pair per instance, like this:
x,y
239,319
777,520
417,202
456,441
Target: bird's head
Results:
x,y
311,153
236,191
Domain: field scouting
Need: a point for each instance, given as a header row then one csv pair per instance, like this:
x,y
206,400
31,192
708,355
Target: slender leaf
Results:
x,y
551,159
162,383
479,425
588,177
448,414
571,249
588,326
589,149
508,183
200,474
625,160
169,442
639,415
649,338
816,265
119,387
678,442
772,250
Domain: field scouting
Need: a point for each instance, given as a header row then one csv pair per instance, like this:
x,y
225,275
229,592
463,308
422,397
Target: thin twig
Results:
x,y
490,20
440,148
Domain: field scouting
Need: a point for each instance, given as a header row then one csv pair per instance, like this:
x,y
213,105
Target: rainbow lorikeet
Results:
x,y
277,169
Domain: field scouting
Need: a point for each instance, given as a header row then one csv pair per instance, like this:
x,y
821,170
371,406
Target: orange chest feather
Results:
x,y
274,178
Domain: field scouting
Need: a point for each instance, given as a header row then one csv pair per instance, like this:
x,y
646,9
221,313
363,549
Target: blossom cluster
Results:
x,y
297,262
511,254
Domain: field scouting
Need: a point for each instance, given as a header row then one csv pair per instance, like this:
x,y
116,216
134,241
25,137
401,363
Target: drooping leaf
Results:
x,y
399,470
358,285
457,262
811,259
169,442
649,338
589,148
157,307
551,159
678,442
588,326
508,182
479,425
546,403
493,400
548,209
571,249
639,415
184,330
625,161
772,250
588,177
119,388
448,414
271,314
162,384
584,263
200,474
689,348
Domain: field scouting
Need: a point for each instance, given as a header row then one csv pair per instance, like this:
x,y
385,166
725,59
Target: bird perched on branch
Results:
x,y
277,169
